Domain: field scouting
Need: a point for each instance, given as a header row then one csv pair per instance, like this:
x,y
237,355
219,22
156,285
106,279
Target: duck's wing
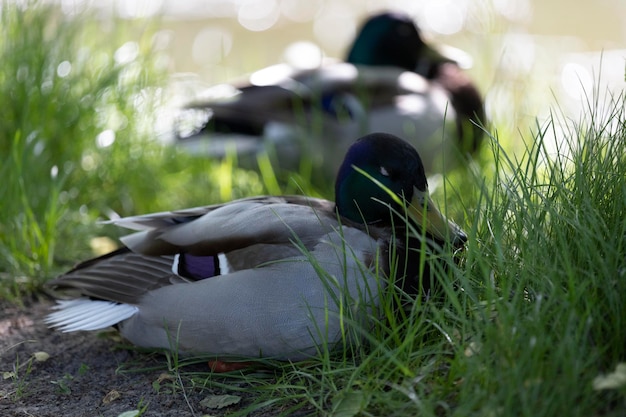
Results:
x,y
226,227
342,95
199,243
246,113
165,219
121,276
270,94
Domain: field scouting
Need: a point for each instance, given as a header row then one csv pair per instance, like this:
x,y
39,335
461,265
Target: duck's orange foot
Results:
x,y
218,366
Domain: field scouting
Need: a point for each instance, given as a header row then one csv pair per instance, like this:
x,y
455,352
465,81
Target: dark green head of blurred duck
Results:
x,y
388,39
393,39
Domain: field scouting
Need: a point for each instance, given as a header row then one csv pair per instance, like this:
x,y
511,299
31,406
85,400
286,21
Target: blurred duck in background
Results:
x,y
392,81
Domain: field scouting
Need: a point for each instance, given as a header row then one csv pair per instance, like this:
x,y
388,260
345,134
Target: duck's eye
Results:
x,y
384,171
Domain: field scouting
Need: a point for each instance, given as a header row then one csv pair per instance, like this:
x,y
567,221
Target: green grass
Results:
x,y
533,313
61,91
64,82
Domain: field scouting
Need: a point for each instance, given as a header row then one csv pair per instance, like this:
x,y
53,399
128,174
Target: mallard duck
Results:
x,y
265,276
393,39
311,112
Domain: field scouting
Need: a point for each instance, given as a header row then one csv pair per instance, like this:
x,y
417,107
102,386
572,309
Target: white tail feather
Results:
x,y
86,314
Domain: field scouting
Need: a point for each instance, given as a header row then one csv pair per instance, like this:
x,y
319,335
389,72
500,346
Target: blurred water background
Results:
x,y
528,57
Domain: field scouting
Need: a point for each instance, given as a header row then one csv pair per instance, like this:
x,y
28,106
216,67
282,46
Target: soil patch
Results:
x,y
82,375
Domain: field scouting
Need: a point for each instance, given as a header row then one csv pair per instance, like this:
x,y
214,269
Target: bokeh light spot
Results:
x,y
64,69
303,55
127,53
336,26
211,45
300,11
576,80
105,138
445,17
258,15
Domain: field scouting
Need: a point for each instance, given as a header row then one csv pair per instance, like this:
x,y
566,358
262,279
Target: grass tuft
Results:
x,y
77,142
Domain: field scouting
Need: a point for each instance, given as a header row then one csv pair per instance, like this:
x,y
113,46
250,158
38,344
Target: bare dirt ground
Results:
x,y
81,377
